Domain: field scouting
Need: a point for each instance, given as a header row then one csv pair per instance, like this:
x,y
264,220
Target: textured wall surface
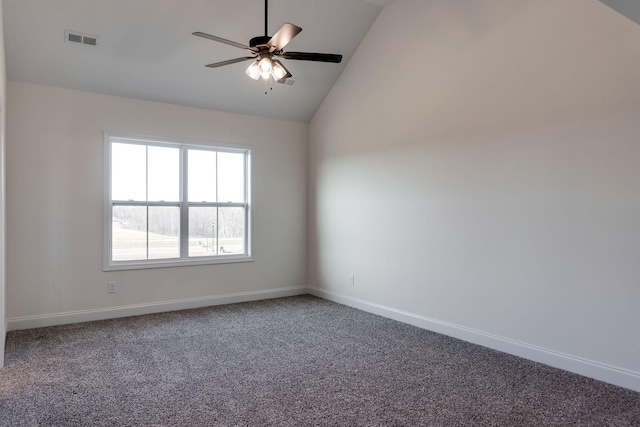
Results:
x,y
3,87
55,149
477,164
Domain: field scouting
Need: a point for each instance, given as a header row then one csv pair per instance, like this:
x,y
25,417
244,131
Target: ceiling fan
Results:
x,y
265,49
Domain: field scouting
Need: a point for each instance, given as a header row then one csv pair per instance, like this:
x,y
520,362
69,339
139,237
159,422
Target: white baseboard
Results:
x,y
28,322
587,368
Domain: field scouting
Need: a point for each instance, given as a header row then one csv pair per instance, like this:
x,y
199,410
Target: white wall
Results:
x,y
55,207
3,91
476,168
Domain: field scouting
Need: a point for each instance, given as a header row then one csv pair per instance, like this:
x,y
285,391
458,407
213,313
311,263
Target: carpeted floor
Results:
x,y
299,361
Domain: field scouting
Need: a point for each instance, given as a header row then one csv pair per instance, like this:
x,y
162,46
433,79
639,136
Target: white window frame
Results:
x,y
183,204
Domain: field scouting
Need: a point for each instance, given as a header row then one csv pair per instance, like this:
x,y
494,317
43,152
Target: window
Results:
x,y
171,204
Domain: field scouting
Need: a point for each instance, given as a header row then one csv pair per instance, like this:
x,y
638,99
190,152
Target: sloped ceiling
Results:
x,y
629,8
380,2
146,49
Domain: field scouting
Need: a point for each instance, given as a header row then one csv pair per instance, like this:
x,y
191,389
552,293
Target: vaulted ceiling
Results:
x,y
629,8
146,50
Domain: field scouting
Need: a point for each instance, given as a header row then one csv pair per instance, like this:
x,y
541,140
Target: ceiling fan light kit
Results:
x,y
279,72
264,49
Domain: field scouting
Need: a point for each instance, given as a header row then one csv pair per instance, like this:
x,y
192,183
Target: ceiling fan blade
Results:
x,y
225,41
230,61
282,38
318,57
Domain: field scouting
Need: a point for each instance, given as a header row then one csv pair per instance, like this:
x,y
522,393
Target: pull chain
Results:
x,y
268,83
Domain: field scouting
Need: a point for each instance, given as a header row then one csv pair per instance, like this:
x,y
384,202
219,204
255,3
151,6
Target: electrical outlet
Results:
x,y
112,287
352,279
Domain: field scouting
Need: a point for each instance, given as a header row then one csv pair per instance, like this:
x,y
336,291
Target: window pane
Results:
x,y
202,231
164,232
164,174
202,175
151,186
231,230
230,177
129,233
128,172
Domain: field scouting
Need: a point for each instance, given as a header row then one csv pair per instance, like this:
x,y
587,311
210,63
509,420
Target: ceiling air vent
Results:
x,y
290,81
79,38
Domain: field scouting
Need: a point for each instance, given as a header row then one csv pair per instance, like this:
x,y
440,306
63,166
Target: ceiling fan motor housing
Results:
x,y
260,40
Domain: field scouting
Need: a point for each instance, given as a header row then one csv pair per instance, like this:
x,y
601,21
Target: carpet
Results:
x,y
298,361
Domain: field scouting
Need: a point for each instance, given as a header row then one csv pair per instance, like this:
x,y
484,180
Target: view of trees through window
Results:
x,y
149,197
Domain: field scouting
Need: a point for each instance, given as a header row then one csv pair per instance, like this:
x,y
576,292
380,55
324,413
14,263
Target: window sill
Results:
x,y
137,265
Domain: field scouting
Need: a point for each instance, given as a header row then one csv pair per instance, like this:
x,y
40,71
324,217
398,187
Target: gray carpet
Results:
x,y
299,361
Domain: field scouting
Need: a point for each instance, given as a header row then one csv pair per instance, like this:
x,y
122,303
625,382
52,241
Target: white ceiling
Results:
x,y
146,49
